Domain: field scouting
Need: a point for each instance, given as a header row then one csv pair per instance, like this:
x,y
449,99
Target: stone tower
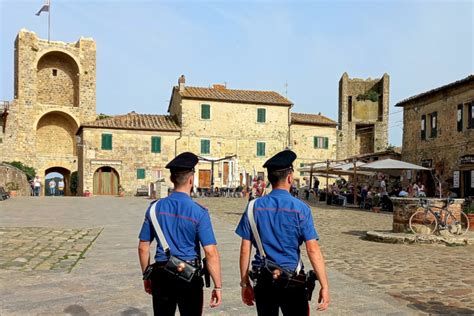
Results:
x,y
54,92
363,116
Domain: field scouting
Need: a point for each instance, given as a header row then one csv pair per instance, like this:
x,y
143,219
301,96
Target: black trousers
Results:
x,y
270,297
170,292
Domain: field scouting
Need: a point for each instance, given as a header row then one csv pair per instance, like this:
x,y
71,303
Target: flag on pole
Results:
x,y
44,8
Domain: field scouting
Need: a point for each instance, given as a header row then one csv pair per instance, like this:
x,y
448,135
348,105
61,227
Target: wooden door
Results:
x,y
226,174
204,178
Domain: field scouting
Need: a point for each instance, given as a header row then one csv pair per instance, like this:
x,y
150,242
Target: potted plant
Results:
x,y
121,191
375,202
470,215
12,188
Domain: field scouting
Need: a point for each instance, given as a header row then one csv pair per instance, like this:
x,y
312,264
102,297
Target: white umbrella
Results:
x,y
390,164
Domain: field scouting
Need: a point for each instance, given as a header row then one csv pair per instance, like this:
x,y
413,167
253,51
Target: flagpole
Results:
x,y
49,20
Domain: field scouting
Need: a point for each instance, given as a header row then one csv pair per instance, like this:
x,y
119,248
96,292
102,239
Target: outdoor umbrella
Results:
x,y
390,166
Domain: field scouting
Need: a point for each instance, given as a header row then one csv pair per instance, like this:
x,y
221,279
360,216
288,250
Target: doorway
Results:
x,y
106,181
57,174
205,178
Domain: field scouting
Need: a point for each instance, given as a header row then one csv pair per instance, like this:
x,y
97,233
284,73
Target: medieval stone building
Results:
x,y
363,116
54,93
438,132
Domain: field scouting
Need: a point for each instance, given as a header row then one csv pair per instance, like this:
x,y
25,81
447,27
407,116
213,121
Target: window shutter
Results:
x,y
140,173
205,146
315,142
260,149
156,144
261,115
107,141
434,124
459,117
423,127
326,142
205,111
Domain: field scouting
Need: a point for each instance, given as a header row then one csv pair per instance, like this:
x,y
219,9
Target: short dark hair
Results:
x,y
275,176
180,178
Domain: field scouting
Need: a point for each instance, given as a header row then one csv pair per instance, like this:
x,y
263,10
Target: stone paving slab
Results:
x,y
402,238
107,281
40,248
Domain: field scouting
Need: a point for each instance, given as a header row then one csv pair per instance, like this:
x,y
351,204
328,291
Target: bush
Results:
x,y
29,171
369,95
74,182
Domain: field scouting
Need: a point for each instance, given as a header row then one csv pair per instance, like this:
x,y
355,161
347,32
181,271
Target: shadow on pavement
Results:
x,y
132,311
76,310
439,308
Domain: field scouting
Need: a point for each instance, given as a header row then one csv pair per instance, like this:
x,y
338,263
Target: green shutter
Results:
x,y
326,142
205,146
107,141
156,144
316,142
260,149
140,173
261,115
205,111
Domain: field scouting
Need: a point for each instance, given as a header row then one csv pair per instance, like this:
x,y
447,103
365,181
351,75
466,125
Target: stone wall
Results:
x,y
302,143
11,174
131,150
232,130
446,149
365,115
403,209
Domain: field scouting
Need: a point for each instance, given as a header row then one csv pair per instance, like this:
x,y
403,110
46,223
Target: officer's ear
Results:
x,y
191,179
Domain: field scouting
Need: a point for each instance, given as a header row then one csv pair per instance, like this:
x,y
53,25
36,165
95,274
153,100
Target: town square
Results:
x,y
236,158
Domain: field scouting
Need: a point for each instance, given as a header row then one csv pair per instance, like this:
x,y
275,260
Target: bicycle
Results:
x,y
427,221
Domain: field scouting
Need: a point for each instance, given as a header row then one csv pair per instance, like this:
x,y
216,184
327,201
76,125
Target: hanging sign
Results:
x,y
455,179
466,159
472,179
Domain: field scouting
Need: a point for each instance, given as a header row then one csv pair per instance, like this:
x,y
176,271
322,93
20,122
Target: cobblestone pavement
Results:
x,y
435,279
36,248
107,281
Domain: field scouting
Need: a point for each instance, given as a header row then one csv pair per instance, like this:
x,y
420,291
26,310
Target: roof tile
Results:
x,y
311,119
137,121
232,95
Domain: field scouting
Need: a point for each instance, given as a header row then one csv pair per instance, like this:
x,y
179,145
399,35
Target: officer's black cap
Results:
x,y
183,163
281,161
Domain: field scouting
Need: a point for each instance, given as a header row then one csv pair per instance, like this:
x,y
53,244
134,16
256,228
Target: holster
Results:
x,y
181,269
277,275
205,273
311,278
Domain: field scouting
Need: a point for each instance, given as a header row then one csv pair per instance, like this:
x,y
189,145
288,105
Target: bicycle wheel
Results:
x,y
457,225
423,223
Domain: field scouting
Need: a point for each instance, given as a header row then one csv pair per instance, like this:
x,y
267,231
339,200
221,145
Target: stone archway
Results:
x,y
55,135
58,79
66,176
106,181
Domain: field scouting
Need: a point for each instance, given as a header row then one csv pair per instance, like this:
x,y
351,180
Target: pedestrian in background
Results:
x,y
61,187
37,185
52,187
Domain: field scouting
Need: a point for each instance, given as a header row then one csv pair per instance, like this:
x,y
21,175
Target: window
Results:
x,y
107,141
423,127
470,118
205,146
205,111
55,72
301,172
156,144
434,124
260,149
140,173
459,117
321,142
349,108
261,115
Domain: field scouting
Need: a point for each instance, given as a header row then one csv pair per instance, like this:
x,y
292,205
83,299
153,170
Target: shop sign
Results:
x,y
427,163
472,179
467,159
455,179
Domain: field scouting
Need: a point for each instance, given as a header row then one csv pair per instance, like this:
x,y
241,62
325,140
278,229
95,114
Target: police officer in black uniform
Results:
x,y
282,223
175,279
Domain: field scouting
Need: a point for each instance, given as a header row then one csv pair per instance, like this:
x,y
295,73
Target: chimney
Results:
x,y
218,86
181,82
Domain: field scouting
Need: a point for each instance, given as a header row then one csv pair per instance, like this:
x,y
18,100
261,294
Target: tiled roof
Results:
x,y
136,121
231,95
311,119
468,80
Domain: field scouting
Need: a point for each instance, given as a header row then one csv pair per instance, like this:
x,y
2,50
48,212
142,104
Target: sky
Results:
x,y
297,48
